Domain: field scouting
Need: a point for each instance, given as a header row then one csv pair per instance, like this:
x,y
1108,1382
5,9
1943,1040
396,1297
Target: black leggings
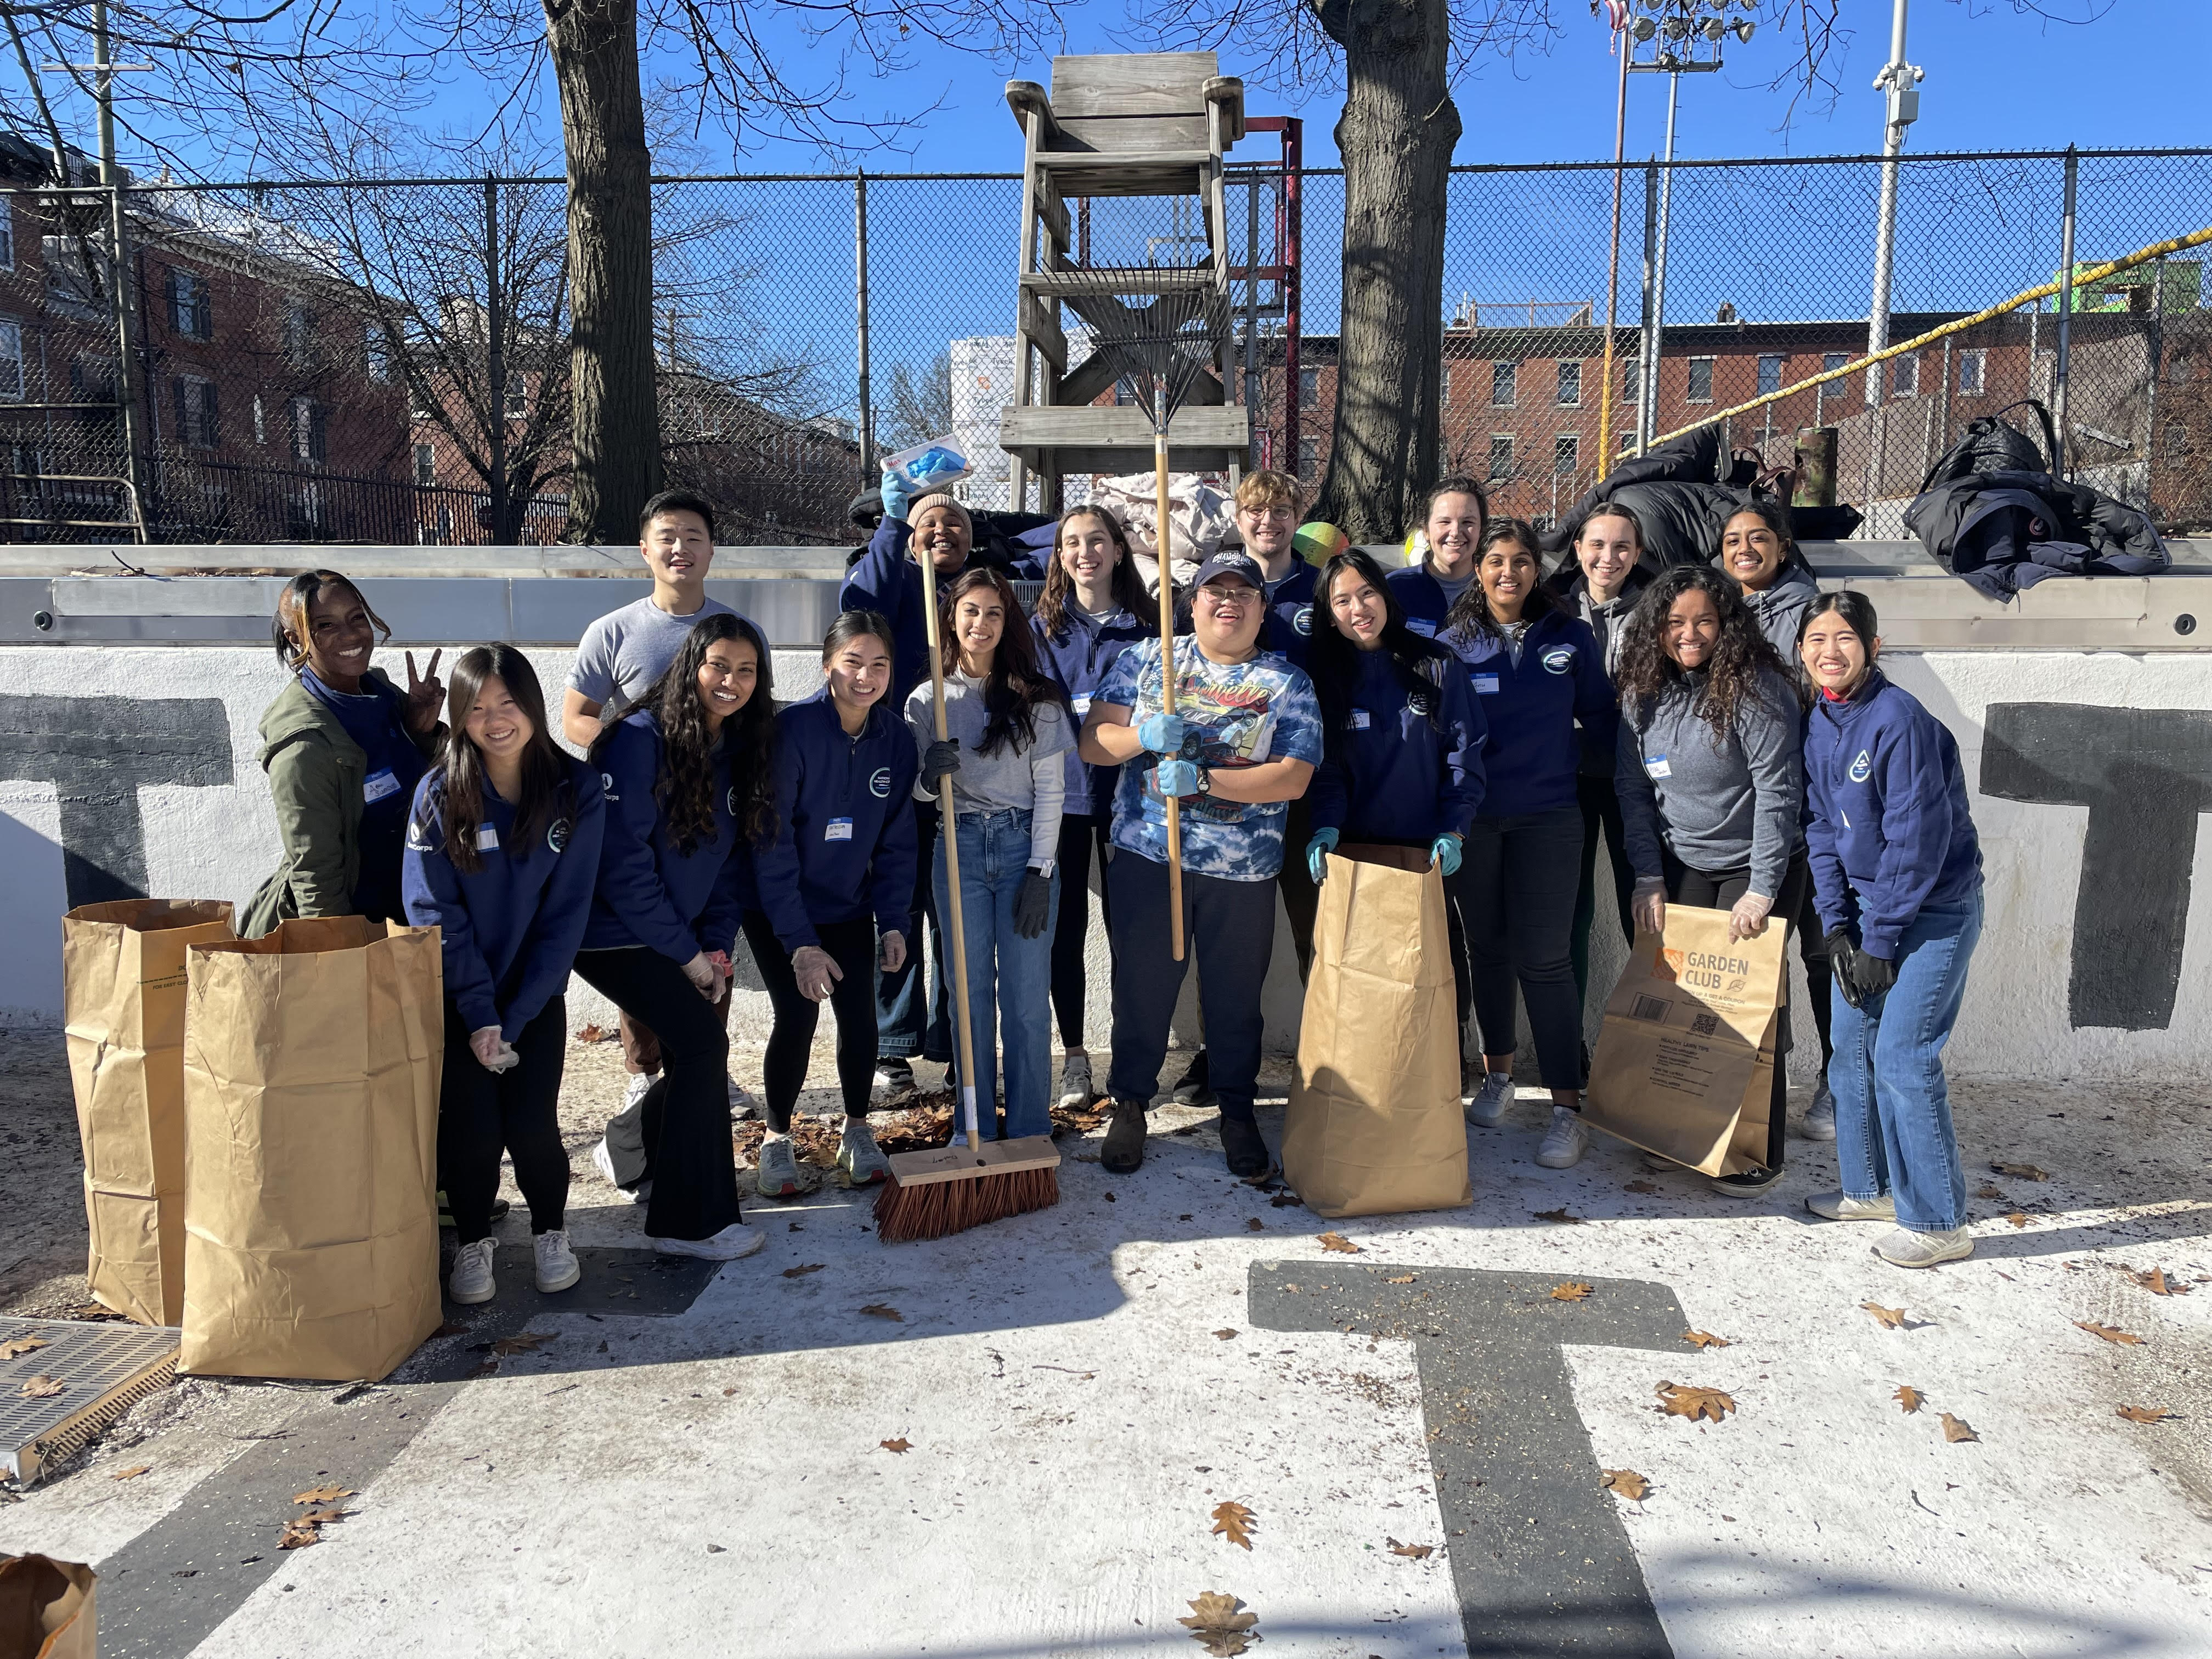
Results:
x,y
1719,889
480,1113
852,946
688,1155
1080,834
1601,820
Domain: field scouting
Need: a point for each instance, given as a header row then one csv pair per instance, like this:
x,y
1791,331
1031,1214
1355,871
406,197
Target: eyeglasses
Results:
x,y
1215,598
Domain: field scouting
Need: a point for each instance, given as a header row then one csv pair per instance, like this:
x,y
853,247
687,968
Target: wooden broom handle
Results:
x,y
1167,689
948,829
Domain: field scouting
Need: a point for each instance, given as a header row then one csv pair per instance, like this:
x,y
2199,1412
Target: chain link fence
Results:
x,y
386,361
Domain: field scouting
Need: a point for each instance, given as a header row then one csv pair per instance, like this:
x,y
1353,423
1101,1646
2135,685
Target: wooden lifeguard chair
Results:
x,y
1140,123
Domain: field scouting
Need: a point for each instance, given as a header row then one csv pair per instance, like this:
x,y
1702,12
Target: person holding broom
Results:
x,y
834,883
1712,781
1006,729
690,778
1402,736
1094,607
1244,742
502,854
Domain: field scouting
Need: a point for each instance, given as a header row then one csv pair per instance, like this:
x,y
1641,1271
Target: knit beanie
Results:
x,y
942,498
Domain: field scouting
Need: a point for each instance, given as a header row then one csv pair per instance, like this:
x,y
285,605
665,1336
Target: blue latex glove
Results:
x,y
1176,777
1443,852
1317,851
1161,733
898,494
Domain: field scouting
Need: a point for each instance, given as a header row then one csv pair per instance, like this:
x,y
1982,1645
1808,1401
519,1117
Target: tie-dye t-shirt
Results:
x,y
1235,715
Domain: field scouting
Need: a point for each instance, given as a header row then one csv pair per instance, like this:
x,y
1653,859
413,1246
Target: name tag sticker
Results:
x,y
487,839
377,785
1427,630
1081,705
1359,720
837,830
1485,685
1656,766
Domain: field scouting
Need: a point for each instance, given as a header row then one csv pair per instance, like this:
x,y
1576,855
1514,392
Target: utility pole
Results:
x,y
119,287
1900,80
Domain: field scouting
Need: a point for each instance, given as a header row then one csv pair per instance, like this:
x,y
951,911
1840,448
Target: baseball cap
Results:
x,y
1231,562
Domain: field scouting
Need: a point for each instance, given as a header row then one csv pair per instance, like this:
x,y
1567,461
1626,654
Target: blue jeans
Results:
x,y
909,1020
1892,1111
1008,975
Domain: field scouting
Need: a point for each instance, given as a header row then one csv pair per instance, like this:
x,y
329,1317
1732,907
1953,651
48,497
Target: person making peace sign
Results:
x,y
343,750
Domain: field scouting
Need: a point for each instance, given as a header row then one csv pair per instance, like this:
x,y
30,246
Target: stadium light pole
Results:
x,y
1900,80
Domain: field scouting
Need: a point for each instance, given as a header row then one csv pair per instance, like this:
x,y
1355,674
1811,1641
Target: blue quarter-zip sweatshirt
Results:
x,y
1078,657
1530,708
1290,619
510,929
1421,597
845,817
1391,773
1889,829
650,892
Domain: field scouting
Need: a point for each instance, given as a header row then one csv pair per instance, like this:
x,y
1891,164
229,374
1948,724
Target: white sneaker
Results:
x,y
735,1240
1565,1141
743,1103
556,1262
1901,1249
1819,1122
1842,1206
603,1161
1492,1100
633,1092
1076,1092
471,1280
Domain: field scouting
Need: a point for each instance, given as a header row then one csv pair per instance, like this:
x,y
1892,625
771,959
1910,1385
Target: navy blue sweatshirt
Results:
x,y
1530,708
650,892
1388,772
1078,658
1421,597
1290,619
376,718
509,930
1888,831
844,815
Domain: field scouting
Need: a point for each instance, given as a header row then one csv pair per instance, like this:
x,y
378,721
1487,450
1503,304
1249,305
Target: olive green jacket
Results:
x,y
315,777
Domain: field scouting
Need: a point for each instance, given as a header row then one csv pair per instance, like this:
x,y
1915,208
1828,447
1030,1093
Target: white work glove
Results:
x,y
491,1049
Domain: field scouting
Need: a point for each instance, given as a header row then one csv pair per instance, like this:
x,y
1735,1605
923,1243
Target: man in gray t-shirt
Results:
x,y
624,652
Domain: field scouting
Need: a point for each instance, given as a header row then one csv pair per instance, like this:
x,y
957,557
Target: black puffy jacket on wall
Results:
x,y
2006,529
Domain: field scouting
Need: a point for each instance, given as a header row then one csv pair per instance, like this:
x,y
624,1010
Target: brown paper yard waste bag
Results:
x,y
47,1609
1374,1126
123,1000
311,1117
1685,1061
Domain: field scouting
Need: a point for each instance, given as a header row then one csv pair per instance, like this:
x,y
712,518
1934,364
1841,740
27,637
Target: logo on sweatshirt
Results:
x,y
418,835
1560,660
879,782
1862,766
556,836
607,784
731,801
1302,620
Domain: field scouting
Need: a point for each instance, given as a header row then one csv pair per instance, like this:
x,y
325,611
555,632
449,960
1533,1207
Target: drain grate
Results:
x,y
103,1370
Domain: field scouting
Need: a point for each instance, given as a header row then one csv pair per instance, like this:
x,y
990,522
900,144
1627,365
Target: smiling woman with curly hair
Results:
x,y
1711,777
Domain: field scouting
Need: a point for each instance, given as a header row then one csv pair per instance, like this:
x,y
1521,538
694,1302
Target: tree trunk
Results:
x,y
1396,137
616,428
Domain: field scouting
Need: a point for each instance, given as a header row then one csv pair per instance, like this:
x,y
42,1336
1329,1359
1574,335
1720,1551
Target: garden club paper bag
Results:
x,y
47,1609
122,1002
1374,1126
311,1112
1685,1062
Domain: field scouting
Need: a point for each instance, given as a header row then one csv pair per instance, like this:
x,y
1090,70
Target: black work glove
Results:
x,y
1874,975
1843,961
940,759
1033,904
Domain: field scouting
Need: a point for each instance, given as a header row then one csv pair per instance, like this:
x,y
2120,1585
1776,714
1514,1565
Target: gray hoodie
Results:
x,y
1716,807
1780,607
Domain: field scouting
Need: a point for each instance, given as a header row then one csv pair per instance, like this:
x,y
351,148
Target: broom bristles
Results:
x,y
934,1209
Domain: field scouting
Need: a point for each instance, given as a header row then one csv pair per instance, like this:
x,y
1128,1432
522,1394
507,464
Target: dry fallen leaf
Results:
x,y
1909,1398
2158,1284
884,1311
1571,1292
1225,1335
1411,1552
1401,1279
1559,1215
592,1034
318,1517
902,1444
1956,1428
805,1268
138,1469
1708,1404
298,1536
41,1386
1217,1620
2018,1218
1253,1224
21,1346
2022,1171
524,1342
1235,1523
323,1495
1339,1243
1989,1189
1644,1186
1891,1319
2133,1414
2112,1333
1625,1483
1704,1340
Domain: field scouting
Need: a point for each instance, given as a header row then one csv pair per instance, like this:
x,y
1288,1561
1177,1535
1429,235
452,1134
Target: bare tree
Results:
x,y
920,406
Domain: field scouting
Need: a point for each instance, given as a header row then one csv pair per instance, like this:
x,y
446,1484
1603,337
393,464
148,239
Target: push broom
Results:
x,y
952,1188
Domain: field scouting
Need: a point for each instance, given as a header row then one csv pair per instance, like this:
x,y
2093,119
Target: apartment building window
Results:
x,y
1571,386
1973,369
376,351
518,395
309,431
1567,453
1904,377
299,335
7,235
1445,392
1309,387
92,380
75,287
1502,379
1125,393
11,362
1701,380
1770,373
1501,456
189,306
426,465
195,403
1309,456
1832,391
1632,381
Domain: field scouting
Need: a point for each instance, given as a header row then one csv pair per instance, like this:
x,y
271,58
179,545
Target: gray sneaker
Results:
x,y
1842,1206
1901,1249
859,1160
1492,1099
777,1174
1075,1088
1819,1122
